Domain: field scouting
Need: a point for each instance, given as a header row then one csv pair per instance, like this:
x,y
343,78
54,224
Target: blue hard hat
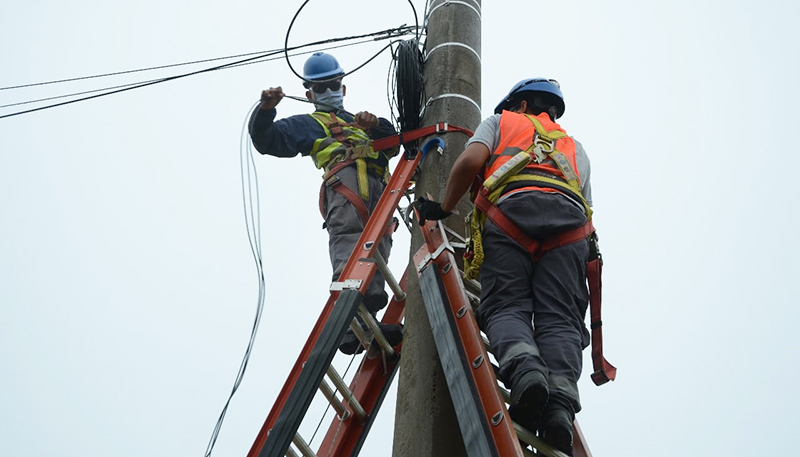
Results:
x,y
549,86
321,66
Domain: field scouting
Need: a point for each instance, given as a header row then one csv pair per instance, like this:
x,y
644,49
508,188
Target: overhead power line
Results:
x,y
125,72
382,34
74,94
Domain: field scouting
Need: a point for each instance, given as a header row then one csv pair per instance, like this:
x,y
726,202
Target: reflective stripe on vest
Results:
x,y
342,141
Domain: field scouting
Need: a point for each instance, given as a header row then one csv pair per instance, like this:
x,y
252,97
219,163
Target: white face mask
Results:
x,y
329,99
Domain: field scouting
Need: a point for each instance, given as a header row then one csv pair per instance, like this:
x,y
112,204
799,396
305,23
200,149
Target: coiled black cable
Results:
x,y
409,89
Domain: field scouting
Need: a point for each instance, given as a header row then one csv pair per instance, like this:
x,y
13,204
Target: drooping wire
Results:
x,y
151,80
289,31
252,216
389,33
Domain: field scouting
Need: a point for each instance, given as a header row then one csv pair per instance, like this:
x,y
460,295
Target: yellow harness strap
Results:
x,y
363,182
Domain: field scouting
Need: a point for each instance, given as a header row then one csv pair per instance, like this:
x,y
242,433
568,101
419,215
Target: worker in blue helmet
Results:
x,y
537,178
354,174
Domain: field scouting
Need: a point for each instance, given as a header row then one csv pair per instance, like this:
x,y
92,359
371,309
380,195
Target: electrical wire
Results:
x,y
151,80
124,72
252,216
388,32
289,31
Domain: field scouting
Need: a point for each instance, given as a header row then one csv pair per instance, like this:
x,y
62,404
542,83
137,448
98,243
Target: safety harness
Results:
x,y
337,160
514,172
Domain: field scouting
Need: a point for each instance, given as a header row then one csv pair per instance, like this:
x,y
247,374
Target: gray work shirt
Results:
x,y
488,134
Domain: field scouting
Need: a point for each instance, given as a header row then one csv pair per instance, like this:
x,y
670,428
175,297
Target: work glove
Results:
x,y
430,210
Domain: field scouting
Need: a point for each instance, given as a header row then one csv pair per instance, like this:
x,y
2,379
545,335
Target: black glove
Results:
x,y
430,210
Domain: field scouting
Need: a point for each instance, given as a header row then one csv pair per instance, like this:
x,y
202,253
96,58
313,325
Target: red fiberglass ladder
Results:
x,y
485,424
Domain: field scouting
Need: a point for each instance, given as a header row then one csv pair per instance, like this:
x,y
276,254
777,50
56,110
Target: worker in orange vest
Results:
x,y
549,196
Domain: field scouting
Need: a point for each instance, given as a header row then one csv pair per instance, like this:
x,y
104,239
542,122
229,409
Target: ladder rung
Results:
x,y
376,331
360,333
459,242
337,381
471,285
506,394
474,300
541,447
328,392
302,446
290,452
399,293
486,344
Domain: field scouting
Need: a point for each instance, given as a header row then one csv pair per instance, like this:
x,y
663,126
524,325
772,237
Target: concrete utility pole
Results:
x,y
426,424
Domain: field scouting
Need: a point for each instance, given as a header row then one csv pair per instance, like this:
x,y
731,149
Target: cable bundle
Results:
x,y
409,90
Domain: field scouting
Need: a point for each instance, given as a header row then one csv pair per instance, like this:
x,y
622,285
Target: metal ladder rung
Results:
x,y
328,392
399,293
541,447
360,333
474,300
302,446
290,452
386,348
351,400
471,285
454,238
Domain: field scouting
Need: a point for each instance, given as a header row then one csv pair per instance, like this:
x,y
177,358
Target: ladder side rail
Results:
x,y
474,426
288,421
467,335
579,446
359,267
369,387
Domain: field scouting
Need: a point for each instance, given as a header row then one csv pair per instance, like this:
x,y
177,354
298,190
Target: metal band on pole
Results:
x,y
453,43
448,3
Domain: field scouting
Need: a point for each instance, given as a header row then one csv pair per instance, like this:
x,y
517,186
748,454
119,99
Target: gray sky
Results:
x,y
128,287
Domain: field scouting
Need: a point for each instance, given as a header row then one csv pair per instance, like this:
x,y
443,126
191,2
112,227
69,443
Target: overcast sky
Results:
x,y
127,286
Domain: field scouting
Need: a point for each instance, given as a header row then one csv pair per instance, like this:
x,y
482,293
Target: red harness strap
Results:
x,y
336,185
336,130
405,137
535,247
603,371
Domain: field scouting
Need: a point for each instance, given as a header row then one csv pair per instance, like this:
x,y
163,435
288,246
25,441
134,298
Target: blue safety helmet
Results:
x,y
549,86
321,66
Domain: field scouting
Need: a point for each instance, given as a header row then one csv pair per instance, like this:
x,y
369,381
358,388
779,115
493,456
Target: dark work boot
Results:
x,y
557,425
529,394
350,343
376,302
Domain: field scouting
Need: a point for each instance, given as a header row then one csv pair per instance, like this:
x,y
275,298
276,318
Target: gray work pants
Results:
x,y
533,312
344,226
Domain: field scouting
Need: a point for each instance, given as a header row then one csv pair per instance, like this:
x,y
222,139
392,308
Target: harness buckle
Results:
x,y
543,146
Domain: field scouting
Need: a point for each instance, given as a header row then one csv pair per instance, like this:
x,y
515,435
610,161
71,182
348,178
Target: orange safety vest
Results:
x,y
517,132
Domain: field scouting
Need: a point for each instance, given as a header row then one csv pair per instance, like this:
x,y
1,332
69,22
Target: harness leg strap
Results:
x,y
603,371
336,185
